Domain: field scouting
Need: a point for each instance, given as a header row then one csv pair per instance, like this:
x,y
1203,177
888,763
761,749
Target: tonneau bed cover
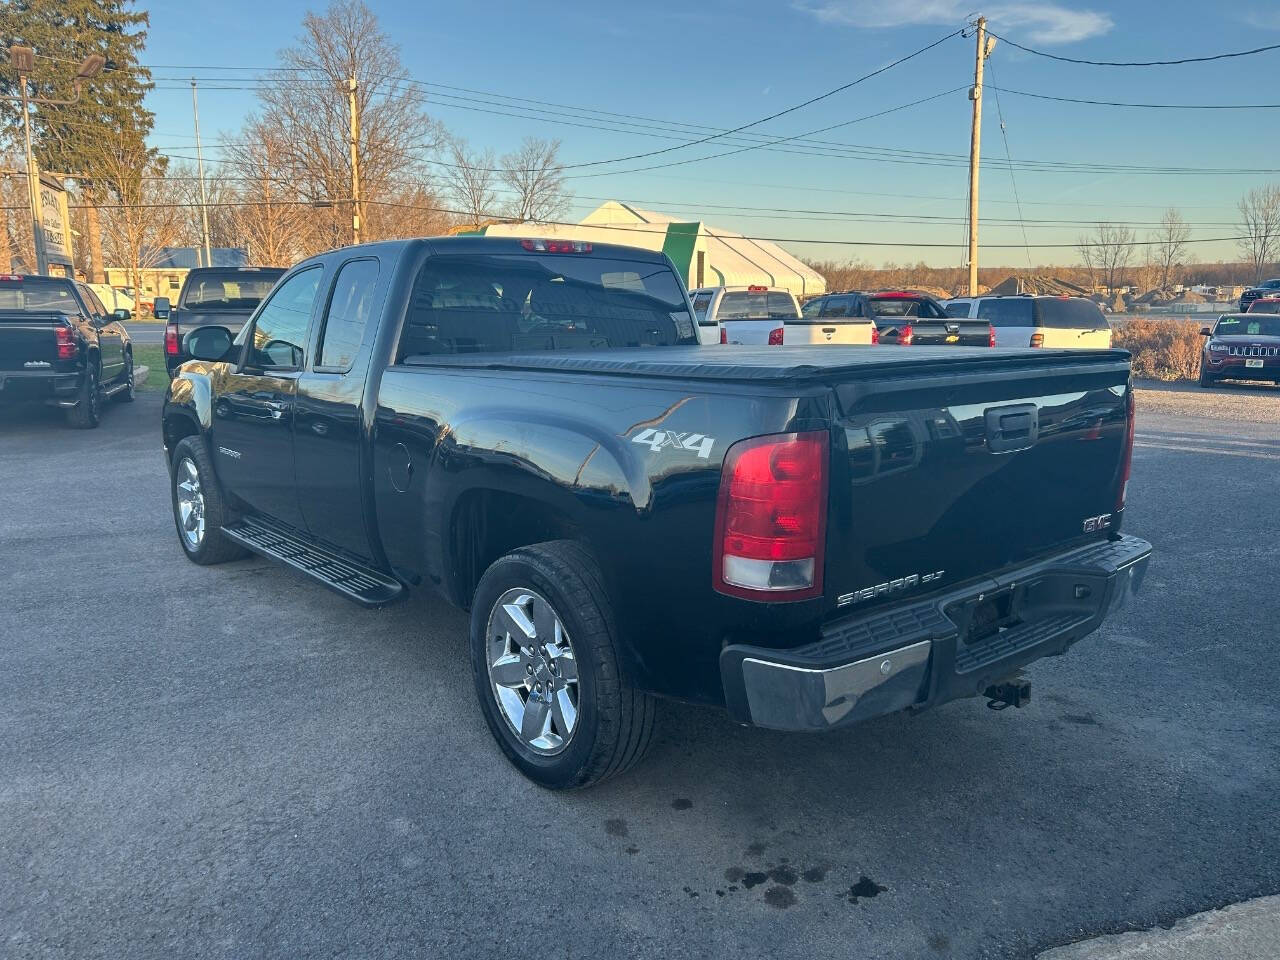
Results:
x,y
739,363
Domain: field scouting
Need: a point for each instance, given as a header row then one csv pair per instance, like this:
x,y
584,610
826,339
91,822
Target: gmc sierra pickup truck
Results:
x,y
60,346
807,536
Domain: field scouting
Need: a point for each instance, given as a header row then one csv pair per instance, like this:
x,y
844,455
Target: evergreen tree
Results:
x,y
79,139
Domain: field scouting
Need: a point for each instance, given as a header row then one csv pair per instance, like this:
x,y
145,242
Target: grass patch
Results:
x,y
1163,349
152,357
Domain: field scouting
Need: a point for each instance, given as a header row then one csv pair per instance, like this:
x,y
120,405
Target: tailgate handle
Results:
x,y
1012,428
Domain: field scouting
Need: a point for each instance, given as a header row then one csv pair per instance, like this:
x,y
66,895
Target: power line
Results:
x,y
1012,181
1147,106
1137,63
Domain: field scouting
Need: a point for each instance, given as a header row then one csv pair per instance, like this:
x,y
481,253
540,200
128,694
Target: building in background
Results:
x,y
169,268
706,256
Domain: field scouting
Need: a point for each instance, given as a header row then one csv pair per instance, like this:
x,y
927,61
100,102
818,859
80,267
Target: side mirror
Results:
x,y
161,309
1206,332
120,313
210,343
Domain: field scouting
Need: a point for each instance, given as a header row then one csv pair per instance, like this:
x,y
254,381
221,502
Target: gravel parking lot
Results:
x,y
234,762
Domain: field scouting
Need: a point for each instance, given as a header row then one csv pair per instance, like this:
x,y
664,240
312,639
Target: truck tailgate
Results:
x,y
937,478
26,339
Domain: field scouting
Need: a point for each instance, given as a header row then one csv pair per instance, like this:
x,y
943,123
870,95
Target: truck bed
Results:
x,y
757,363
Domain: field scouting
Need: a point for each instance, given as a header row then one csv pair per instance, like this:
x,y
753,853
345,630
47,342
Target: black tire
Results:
x,y
615,721
213,546
1205,379
128,393
87,413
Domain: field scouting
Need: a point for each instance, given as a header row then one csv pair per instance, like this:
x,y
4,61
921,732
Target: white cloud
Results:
x,y
1044,23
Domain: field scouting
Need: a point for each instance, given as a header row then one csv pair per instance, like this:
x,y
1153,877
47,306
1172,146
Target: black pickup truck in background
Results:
x,y
914,319
225,296
806,536
60,346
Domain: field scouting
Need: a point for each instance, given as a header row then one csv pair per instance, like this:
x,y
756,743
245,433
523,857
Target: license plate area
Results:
x,y
1253,364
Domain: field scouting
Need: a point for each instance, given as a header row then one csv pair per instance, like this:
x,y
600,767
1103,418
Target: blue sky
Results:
x,y
723,64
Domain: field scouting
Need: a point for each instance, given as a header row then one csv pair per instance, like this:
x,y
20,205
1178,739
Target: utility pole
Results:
x,y
204,203
23,60
975,149
355,159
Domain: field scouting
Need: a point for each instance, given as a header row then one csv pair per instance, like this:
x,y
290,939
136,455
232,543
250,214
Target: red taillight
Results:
x,y
875,334
556,246
724,335
66,343
771,517
775,337
171,345
904,336
1037,339
991,336
1126,465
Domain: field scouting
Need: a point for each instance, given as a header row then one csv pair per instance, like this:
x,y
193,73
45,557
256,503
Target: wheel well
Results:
x,y
176,429
488,524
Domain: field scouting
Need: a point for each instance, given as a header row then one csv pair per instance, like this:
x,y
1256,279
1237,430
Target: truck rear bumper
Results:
x,y
918,655
25,386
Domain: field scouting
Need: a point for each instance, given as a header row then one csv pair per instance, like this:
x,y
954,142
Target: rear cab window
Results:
x,y
38,295
1069,313
230,289
519,304
782,306
743,305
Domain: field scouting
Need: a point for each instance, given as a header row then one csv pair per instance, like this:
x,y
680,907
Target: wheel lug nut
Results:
x,y
528,668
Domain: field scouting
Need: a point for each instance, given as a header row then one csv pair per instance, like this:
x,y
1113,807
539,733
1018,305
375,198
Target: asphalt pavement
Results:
x,y
235,762
146,334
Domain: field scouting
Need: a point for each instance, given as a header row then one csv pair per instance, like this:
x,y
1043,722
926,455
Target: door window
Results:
x,y
281,327
1070,313
837,307
348,315
958,309
92,302
811,309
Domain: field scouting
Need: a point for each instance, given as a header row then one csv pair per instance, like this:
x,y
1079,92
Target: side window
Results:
x,y
348,315
958,310
781,307
281,327
92,302
701,301
1013,312
811,309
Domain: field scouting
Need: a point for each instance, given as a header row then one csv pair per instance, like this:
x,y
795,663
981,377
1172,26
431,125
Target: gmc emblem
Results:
x,y
1094,524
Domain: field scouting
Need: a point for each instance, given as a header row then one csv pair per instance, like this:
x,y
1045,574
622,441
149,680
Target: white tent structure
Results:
x,y
706,256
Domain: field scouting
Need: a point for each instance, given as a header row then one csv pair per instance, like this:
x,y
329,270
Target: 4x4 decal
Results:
x,y
655,440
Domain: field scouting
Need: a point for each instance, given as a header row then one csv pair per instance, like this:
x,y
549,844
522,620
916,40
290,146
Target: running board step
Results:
x,y
365,586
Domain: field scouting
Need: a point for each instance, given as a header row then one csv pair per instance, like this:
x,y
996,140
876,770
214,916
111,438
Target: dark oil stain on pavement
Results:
x,y
633,850
691,892
680,803
756,849
754,879
734,874
615,827
865,888
1081,719
815,874
939,943
780,897
784,875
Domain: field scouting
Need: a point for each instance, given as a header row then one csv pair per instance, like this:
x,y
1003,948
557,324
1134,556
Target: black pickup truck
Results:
x,y
222,296
59,345
808,536
907,319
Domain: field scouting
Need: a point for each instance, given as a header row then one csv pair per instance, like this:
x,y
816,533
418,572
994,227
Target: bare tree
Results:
x,y
270,216
306,104
536,179
149,212
1107,250
1260,226
471,182
1170,247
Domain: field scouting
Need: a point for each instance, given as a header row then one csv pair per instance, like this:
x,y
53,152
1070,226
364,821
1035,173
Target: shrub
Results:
x,y
1163,348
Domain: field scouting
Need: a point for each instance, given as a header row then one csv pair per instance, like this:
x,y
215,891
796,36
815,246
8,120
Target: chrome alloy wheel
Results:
x,y
532,670
190,503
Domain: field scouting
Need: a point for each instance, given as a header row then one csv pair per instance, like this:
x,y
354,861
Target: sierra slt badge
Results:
x,y
900,585
228,452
